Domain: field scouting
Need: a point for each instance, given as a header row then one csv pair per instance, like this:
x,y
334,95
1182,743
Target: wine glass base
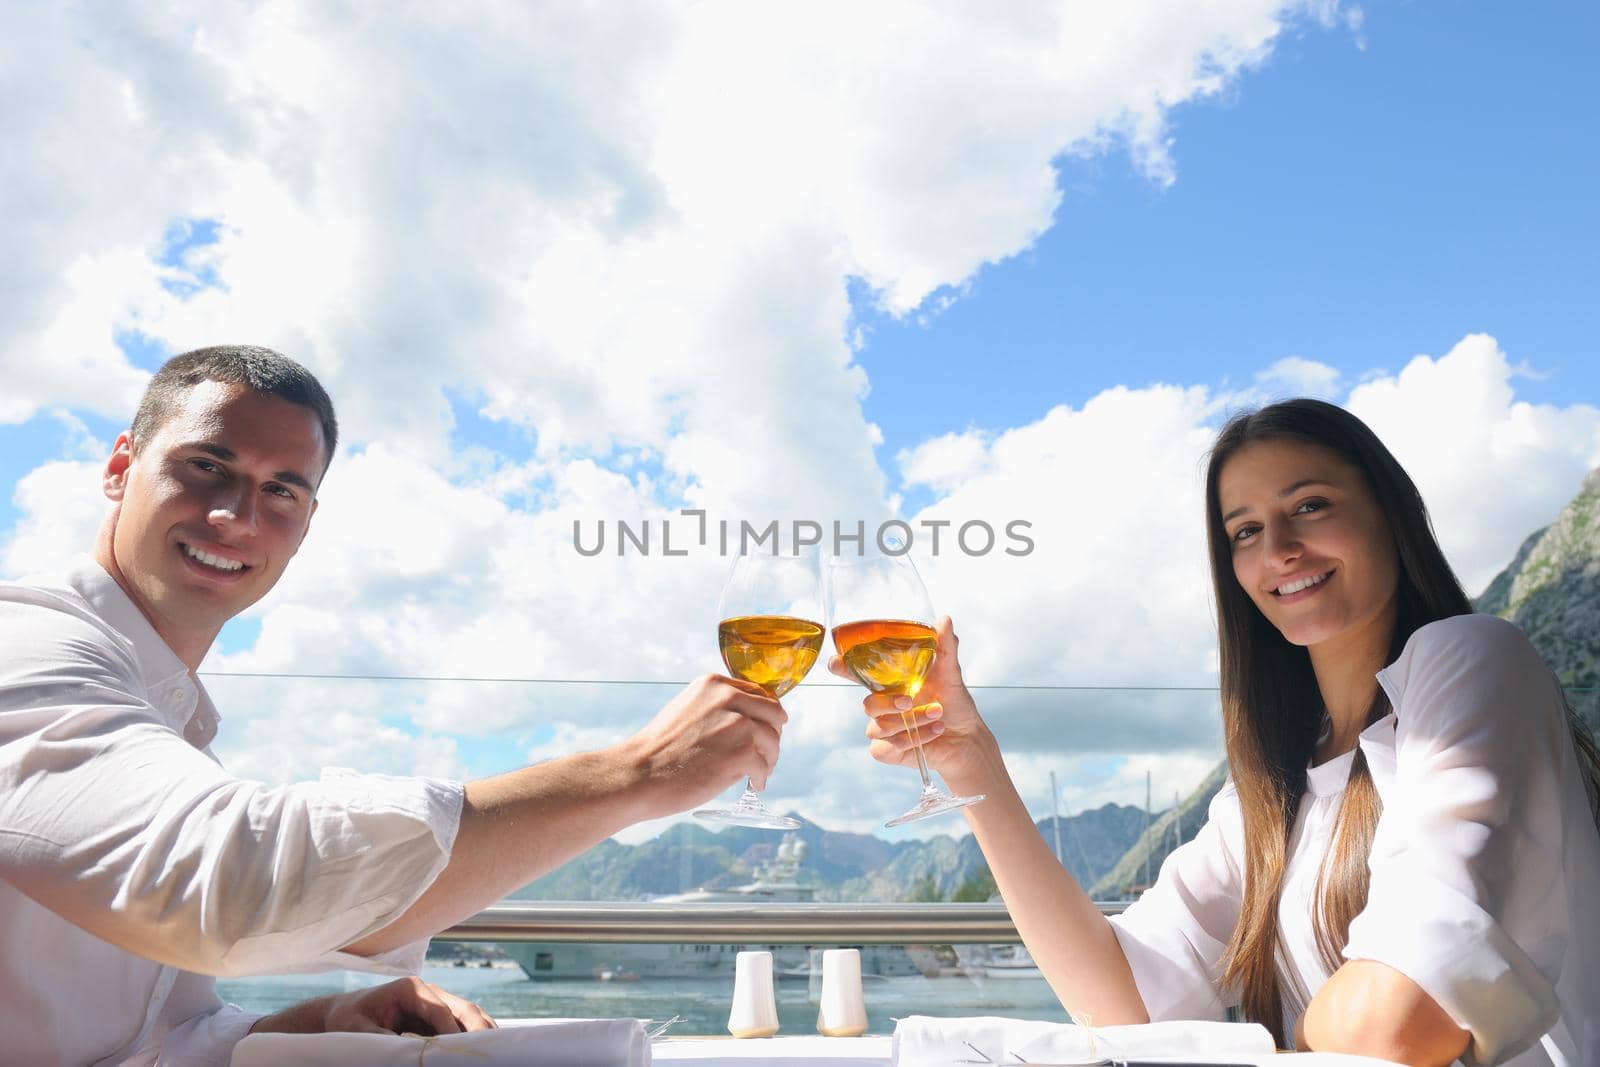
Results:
x,y
744,813
934,802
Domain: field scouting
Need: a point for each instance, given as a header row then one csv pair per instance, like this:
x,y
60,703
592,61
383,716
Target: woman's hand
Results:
x,y
943,716
404,1006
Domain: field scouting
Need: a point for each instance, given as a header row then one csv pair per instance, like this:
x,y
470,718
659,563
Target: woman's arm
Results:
x,y
1069,938
1369,1009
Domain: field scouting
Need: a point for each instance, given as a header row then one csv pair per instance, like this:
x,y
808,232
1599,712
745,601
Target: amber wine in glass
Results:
x,y
773,651
888,646
767,636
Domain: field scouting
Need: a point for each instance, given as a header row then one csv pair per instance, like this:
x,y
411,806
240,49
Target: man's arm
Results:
x,y
515,827
109,818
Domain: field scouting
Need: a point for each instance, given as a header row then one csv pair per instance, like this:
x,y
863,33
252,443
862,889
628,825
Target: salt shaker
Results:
x,y
843,1013
755,1010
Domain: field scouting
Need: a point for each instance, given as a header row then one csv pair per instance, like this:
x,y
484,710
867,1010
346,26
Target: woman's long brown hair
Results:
x,y
1272,709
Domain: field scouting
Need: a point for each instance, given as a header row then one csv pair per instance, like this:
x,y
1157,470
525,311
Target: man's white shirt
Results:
x,y
133,867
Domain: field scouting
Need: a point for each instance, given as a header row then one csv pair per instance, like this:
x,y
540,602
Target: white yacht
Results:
x,y
1000,962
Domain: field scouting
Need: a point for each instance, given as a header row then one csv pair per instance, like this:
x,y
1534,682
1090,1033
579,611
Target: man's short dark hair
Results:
x,y
259,369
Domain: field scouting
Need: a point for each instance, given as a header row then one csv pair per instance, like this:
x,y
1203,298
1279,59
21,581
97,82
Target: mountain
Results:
x,y
1138,867
841,866
1552,590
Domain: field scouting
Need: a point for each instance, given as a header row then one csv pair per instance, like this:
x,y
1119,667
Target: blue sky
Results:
x,y
1352,205
607,264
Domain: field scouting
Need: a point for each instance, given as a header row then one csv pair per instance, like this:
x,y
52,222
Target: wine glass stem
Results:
x,y
922,761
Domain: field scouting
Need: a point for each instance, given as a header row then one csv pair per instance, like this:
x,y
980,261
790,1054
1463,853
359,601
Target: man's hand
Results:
x,y
404,1006
516,826
716,731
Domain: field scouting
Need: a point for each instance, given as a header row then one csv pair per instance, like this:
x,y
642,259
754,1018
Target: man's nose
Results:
x,y
234,512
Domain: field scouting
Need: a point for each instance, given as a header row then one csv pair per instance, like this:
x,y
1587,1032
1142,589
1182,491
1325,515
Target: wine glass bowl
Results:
x,y
767,636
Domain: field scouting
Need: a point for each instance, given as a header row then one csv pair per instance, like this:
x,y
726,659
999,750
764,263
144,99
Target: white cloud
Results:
x,y
544,203
1491,468
1298,376
1115,591
59,507
942,463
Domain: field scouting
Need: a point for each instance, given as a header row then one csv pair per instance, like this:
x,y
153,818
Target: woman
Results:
x,y
1404,861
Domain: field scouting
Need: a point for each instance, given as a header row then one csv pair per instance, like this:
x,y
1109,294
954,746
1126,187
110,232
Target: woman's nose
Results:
x,y
1281,543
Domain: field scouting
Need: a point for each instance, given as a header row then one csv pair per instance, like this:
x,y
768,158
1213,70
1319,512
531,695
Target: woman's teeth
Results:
x,y
1303,583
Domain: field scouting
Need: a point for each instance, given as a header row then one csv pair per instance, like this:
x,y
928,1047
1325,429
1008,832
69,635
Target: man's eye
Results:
x,y
281,491
203,465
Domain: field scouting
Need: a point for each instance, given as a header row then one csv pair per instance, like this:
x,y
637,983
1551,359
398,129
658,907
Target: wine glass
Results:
x,y
883,629
769,635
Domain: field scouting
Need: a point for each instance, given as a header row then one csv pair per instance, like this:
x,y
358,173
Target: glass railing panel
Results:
x,y
593,981
1133,768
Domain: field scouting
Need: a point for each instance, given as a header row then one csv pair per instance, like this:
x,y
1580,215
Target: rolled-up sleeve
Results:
x,y
207,1040
1474,718
1175,934
112,820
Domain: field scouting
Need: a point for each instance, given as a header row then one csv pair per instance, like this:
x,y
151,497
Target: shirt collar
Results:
x,y
112,604
164,672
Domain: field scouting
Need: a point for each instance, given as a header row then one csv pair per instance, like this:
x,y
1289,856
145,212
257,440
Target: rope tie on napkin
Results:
x,y
429,1043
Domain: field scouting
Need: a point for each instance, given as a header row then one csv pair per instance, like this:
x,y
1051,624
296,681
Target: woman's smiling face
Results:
x,y
1309,544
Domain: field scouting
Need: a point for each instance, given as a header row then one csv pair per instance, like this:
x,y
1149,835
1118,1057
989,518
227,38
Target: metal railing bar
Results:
x,y
773,924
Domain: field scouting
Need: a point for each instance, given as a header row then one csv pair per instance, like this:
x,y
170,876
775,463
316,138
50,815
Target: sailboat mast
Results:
x,y
1147,850
1055,815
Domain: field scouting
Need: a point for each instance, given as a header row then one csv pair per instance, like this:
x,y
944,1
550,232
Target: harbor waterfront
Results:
x,y
506,993
776,882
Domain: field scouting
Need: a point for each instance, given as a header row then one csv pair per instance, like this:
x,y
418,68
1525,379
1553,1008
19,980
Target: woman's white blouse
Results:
x,y
1485,866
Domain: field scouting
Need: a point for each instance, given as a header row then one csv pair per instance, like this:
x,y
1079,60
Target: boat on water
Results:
x,y
775,882
996,962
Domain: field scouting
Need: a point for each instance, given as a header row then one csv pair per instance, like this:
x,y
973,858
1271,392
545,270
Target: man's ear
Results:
x,y
114,479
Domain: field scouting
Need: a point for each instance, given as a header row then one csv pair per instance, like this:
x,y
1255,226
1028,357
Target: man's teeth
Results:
x,y
1303,583
212,561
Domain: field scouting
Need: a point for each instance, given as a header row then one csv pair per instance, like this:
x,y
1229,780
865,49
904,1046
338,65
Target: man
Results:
x,y
133,867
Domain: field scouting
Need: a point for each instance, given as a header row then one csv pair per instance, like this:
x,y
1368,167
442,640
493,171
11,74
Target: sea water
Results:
x,y
507,993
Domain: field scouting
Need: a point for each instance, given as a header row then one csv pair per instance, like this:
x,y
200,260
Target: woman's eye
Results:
x,y
1306,507
1243,533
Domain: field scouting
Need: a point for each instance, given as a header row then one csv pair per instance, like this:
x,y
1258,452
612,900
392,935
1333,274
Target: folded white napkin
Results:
x,y
920,1041
527,1043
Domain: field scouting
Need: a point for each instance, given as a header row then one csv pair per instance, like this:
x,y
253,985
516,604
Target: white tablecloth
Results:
x,y
601,1039
774,1051
874,1052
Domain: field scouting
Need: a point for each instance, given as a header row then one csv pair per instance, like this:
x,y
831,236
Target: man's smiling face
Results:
x,y
211,508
